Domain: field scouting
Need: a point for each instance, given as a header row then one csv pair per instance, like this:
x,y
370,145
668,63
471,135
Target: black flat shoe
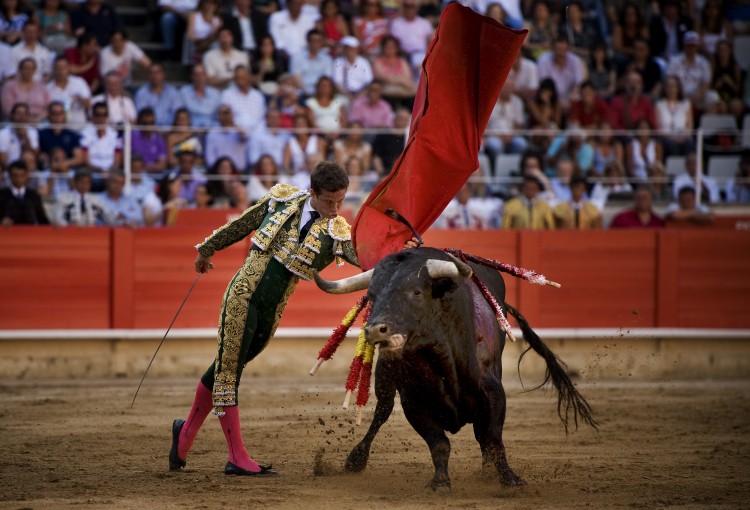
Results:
x,y
175,462
231,469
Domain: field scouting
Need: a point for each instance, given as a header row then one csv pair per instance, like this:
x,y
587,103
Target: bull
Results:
x,y
440,348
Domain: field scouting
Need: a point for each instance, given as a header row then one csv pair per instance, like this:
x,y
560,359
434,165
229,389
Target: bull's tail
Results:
x,y
568,398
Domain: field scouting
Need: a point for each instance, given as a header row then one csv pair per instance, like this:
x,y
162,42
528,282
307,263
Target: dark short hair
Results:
x,y
328,176
17,165
575,181
685,190
530,178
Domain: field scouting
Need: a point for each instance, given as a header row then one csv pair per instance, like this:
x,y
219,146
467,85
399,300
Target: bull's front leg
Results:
x,y
437,441
385,390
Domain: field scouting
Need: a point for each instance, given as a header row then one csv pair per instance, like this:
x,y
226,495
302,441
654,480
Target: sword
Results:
x,y
396,216
164,338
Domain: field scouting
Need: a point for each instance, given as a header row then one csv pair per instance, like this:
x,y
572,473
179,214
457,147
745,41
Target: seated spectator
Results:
x,y
710,189
200,99
532,165
694,72
181,134
606,149
14,139
13,16
289,27
302,147
143,190
221,176
627,109
70,90
630,27
361,183
121,209
80,207
542,30
573,146
242,22
387,147
327,107
332,23
203,25
170,191
714,27
29,47
393,70
54,26
582,33
191,175
666,32
577,213
686,211
120,106
643,152
269,141
464,211
202,198
311,64
19,204
611,185
601,72
173,21
288,100
248,104
351,72
413,32
370,110
24,89
525,75
727,80
96,17
57,136
370,26
120,56
228,141
55,180
84,60
738,187
6,62
528,211
545,111
161,96
565,68
239,196
589,111
565,170
507,117
646,66
101,145
267,65
674,117
149,144
353,145
221,62
642,215
264,175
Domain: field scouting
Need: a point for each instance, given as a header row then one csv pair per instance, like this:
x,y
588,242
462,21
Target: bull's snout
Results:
x,y
377,333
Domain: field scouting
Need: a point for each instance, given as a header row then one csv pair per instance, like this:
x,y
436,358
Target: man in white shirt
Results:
x,y
72,91
507,116
121,107
221,62
289,27
351,72
413,32
525,75
100,142
711,191
13,140
694,72
309,65
29,47
565,68
120,56
229,141
248,104
270,140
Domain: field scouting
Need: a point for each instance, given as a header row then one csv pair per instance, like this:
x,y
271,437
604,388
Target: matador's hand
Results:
x,y
411,243
203,264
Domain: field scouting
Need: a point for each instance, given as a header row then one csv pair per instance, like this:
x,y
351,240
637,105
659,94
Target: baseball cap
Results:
x,y
690,37
350,41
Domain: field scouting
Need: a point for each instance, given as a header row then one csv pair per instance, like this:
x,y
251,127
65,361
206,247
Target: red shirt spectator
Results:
x,y
84,60
632,106
590,110
640,216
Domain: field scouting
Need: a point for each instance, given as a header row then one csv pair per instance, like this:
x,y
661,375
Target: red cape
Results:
x,y
465,67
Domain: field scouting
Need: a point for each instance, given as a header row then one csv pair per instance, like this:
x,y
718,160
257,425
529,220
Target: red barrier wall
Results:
x,y
122,278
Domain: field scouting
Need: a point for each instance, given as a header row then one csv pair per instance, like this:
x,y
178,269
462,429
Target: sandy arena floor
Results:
x,y
74,444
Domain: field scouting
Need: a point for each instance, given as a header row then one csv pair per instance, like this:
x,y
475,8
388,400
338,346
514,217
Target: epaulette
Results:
x,y
339,229
286,192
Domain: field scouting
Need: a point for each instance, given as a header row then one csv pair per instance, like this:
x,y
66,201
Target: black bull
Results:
x,y
440,348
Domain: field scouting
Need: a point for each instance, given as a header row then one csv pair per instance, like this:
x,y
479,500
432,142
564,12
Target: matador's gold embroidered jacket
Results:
x,y
276,222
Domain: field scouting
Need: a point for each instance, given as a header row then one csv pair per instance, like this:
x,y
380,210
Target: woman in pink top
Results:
x,y
393,70
23,89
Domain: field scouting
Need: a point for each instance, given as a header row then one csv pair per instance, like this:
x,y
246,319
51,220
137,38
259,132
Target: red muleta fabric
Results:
x,y
465,67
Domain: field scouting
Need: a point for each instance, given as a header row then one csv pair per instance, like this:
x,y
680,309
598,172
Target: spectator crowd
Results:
x,y
594,106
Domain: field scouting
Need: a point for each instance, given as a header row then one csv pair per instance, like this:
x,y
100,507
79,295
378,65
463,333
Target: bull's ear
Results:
x,y
442,286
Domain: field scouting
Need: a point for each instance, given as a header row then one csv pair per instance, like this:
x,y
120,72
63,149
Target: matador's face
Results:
x,y
327,203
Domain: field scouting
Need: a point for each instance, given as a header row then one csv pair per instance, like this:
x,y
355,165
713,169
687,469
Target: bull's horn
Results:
x,y
345,285
454,268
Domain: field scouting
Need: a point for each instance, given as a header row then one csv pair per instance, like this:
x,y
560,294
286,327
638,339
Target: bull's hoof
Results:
x,y
356,461
439,486
509,479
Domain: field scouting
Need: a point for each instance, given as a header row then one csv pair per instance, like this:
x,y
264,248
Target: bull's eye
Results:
x,y
417,292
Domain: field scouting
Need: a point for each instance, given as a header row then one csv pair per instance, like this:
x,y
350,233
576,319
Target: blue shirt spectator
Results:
x,y
162,97
200,99
312,63
121,209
